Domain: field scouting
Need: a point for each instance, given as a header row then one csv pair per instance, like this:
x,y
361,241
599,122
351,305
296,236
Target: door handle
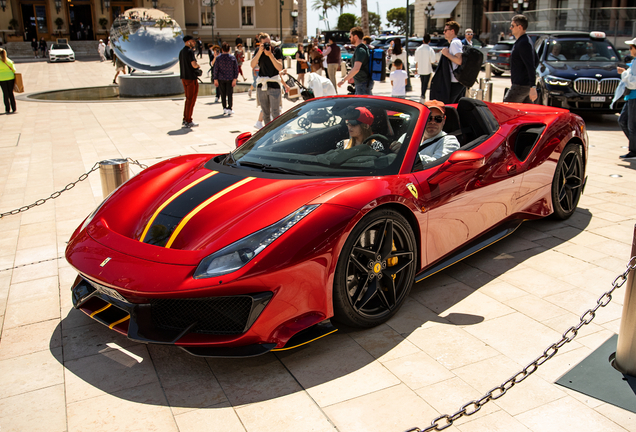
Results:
x,y
512,168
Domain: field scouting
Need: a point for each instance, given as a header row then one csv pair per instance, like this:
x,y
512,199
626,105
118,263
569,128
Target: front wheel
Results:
x,y
567,182
375,270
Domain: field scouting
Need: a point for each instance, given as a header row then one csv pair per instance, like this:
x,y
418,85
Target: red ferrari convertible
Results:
x,y
329,213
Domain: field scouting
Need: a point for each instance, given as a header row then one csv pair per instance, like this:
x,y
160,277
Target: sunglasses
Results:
x,y
469,34
353,122
437,119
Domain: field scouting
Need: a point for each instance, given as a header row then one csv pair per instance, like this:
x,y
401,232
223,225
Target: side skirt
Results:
x,y
471,248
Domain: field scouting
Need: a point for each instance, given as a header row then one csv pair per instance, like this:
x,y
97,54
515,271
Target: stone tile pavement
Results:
x,y
460,333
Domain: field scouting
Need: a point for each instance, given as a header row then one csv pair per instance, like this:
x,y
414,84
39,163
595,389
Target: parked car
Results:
x,y
499,56
61,52
438,43
289,49
577,70
257,250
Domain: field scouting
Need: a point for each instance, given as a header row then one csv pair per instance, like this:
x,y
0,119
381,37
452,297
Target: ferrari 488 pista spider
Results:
x,y
258,250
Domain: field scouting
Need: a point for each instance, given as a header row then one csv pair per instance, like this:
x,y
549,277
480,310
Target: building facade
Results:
x,y
91,19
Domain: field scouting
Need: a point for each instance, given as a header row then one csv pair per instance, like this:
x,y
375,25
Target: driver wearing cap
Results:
x,y
359,121
436,143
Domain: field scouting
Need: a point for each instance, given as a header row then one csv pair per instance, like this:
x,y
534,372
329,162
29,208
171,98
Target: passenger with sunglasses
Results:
x,y
359,121
436,143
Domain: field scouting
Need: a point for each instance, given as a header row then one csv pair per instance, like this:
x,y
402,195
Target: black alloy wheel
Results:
x,y
375,271
568,182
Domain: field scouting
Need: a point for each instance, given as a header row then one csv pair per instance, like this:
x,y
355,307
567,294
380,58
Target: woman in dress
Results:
x,y
399,53
239,54
301,63
7,80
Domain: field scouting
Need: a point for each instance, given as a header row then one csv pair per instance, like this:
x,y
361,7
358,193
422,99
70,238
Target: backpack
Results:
x,y
376,64
467,72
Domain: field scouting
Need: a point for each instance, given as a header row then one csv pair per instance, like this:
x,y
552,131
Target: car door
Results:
x,y
464,199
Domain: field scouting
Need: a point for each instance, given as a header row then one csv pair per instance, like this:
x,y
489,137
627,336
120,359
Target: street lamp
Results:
x,y
519,5
107,4
58,5
3,5
294,15
281,2
154,4
428,10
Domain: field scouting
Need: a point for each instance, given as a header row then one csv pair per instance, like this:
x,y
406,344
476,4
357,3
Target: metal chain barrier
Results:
x,y
446,420
66,188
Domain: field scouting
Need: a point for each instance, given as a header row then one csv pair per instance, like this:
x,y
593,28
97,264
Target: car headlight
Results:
x,y
552,80
239,253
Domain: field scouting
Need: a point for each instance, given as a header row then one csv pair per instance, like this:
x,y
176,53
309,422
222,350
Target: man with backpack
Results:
x,y
444,86
361,59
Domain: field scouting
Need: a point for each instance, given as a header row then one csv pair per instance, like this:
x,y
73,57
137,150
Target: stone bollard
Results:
x,y
113,173
626,345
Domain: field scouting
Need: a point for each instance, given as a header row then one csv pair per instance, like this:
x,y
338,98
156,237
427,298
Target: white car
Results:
x,y
61,52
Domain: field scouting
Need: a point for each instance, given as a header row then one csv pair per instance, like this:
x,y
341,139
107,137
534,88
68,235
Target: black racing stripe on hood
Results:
x,y
168,219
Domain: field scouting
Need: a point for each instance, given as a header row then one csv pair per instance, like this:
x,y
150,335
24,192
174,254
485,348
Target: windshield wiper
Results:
x,y
273,169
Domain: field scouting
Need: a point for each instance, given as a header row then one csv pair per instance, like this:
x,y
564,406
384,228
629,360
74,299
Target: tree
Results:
x,y
375,22
397,18
302,20
324,5
347,21
343,3
364,16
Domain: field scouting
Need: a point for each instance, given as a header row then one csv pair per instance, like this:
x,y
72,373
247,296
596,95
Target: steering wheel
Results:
x,y
384,140
304,123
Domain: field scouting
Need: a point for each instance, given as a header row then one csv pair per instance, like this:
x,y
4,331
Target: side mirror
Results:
x,y
465,160
458,161
242,138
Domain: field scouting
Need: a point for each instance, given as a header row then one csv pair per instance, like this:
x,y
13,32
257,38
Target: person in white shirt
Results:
x,y
398,79
445,86
436,143
424,59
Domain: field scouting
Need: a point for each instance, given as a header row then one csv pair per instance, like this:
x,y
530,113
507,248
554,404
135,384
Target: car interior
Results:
x,y
471,122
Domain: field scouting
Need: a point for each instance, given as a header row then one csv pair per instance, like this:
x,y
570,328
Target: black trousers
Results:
x,y
226,93
7,93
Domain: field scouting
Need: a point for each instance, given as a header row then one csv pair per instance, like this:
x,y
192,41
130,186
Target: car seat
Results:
x,y
452,125
477,122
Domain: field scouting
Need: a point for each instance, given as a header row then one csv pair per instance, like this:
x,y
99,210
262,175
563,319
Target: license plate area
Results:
x,y
108,291
597,99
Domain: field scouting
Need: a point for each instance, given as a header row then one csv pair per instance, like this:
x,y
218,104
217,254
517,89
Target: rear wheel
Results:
x,y
567,182
375,270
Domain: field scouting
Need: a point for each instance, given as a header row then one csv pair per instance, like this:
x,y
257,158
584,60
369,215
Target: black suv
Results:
x,y
576,70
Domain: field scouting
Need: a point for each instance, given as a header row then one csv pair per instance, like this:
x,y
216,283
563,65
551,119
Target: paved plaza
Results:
x,y
459,334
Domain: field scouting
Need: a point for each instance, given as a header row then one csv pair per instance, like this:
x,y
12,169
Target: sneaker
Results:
x,y
258,125
249,92
192,124
230,112
217,100
224,111
628,156
184,124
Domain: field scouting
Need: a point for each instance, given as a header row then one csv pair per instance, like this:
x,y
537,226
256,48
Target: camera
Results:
x,y
267,46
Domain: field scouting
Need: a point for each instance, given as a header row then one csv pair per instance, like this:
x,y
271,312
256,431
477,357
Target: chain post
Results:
x,y
66,188
626,345
552,350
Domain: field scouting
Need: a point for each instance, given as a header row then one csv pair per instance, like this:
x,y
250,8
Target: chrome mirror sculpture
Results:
x,y
146,39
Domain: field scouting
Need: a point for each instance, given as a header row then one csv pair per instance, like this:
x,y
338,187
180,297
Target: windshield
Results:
x,y
60,47
581,50
340,137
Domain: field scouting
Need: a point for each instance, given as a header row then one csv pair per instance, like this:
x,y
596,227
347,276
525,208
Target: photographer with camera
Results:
x,y
190,72
269,60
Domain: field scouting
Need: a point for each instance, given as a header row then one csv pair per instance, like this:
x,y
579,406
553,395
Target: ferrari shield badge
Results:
x,y
413,189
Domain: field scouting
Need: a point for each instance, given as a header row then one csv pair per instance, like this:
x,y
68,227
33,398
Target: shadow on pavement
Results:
x,y
332,369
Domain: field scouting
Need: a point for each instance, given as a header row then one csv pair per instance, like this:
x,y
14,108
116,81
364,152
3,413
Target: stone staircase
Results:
x,y
23,49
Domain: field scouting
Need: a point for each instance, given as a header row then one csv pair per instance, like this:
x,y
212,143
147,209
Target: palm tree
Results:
x,y
302,19
325,5
364,15
343,3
